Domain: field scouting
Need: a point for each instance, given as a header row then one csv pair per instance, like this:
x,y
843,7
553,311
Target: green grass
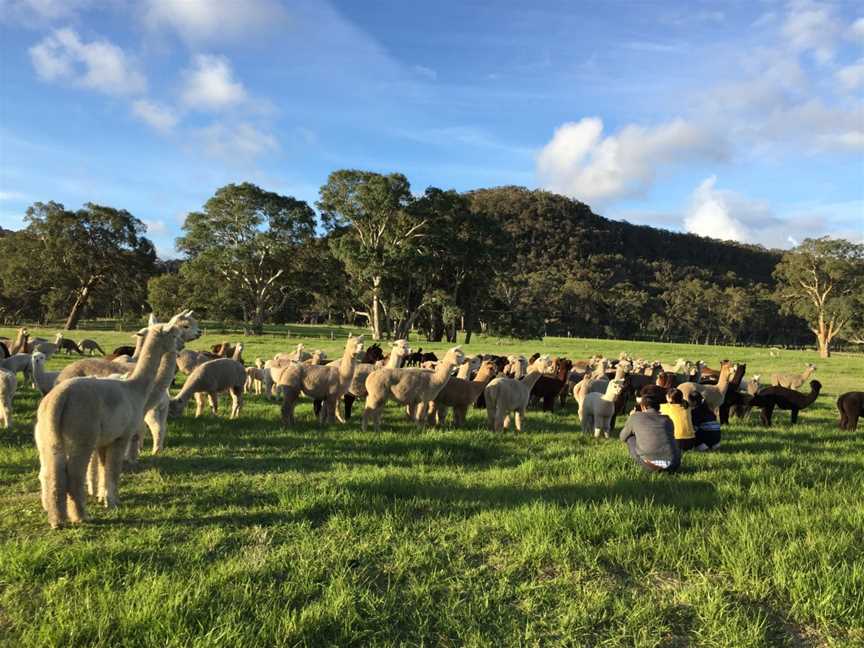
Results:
x,y
245,534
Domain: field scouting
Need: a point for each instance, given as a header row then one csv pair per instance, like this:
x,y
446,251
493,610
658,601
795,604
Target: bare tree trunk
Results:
x,y
376,308
77,308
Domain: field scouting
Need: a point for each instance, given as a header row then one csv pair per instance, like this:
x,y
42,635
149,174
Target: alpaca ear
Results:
x,y
151,320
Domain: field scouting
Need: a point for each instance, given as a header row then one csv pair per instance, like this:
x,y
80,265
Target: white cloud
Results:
x,y
713,214
811,27
98,65
235,142
159,116
851,77
210,84
12,196
425,72
34,12
156,226
214,20
581,163
856,30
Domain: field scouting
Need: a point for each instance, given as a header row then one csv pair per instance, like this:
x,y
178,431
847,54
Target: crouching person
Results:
x,y
705,423
650,436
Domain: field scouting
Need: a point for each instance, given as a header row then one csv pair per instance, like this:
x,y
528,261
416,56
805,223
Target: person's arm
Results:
x,y
627,430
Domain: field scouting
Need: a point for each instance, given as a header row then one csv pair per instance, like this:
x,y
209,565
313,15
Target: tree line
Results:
x,y
507,261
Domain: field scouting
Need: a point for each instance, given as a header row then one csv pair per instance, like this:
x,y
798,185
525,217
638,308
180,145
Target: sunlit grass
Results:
x,y
244,533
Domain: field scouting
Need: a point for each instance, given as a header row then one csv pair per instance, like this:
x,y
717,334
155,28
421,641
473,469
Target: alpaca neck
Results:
x,y
164,377
346,366
139,344
807,373
442,372
237,351
395,360
811,397
144,374
464,371
723,382
531,378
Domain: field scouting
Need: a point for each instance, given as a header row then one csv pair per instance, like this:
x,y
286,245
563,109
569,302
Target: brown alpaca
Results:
x,y
460,394
851,406
21,342
784,398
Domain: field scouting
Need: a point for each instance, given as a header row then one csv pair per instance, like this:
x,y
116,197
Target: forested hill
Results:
x,y
565,228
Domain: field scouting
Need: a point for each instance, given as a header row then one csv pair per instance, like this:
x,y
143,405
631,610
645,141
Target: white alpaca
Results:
x,y
206,381
598,409
505,395
44,379
87,414
8,385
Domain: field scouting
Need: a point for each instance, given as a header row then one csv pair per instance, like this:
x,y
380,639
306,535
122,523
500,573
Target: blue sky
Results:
x,y
739,120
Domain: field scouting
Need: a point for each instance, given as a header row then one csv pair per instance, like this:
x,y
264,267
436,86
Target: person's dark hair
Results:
x,y
664,380
650,402
675,396
696,399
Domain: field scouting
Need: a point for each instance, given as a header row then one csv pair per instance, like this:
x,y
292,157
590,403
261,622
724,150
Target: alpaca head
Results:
x,y
38,358
816,386
259,362
187,325
165,338
614,388
542,363
58,338
454,356
400,348
474,363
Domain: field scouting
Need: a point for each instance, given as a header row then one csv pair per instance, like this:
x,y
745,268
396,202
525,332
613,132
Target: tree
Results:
x,y
374,235
73,258
251,243
822,281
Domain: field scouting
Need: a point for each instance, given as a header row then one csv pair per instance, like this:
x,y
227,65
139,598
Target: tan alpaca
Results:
x,y
206,382
297,355
467,368
87,414
506,395
793,381
44,379
714,395
255,378
325,383
460,394
412,387
398,352
20,343
8,385
597,410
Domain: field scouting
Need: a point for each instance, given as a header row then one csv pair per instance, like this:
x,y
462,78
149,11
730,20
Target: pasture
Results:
x,y
247,534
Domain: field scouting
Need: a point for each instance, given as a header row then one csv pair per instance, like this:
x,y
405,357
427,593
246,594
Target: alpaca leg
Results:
x,y
53,476
289,398
793,417
76,469
420,413
236,401
519,416
587,423
134,447
852,423
199,404
460,413
113,468
348,401
317,405
156,420
490,417
213,397
767,413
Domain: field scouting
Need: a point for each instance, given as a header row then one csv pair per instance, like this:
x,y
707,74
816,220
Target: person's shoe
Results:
x,y
702,447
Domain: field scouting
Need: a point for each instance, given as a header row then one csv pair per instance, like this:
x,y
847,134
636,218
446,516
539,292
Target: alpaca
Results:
x,y
206,381
318,357
188,359
784,398
44,379
326,383
396,358
20,362
411,387
733,395
90,347
21,341
588,385
8,385
298,355
793,381
49,348
255,378
68,345
4,350
851,406
599,409
555,385
713,395
505,395
80,416
460,393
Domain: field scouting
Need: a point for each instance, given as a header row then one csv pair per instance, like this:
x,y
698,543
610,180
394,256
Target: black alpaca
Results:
x,y
851,406
69,346
786,399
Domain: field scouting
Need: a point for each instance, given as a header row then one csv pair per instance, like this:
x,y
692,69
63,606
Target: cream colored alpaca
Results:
x,y
255,378
8,385
460,394
297,355
325,383
467,368
20,362
714,395
597,410
398,352
411,387
44,379
80,416
588,385
505,395
793,381
206,382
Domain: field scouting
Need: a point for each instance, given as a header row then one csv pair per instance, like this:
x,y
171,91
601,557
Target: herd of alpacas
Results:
x,y
93,413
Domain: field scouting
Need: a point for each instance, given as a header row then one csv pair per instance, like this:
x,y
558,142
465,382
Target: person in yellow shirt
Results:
x,y
676,409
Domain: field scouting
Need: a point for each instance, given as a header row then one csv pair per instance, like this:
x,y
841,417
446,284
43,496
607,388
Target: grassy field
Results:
x,y
246,534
